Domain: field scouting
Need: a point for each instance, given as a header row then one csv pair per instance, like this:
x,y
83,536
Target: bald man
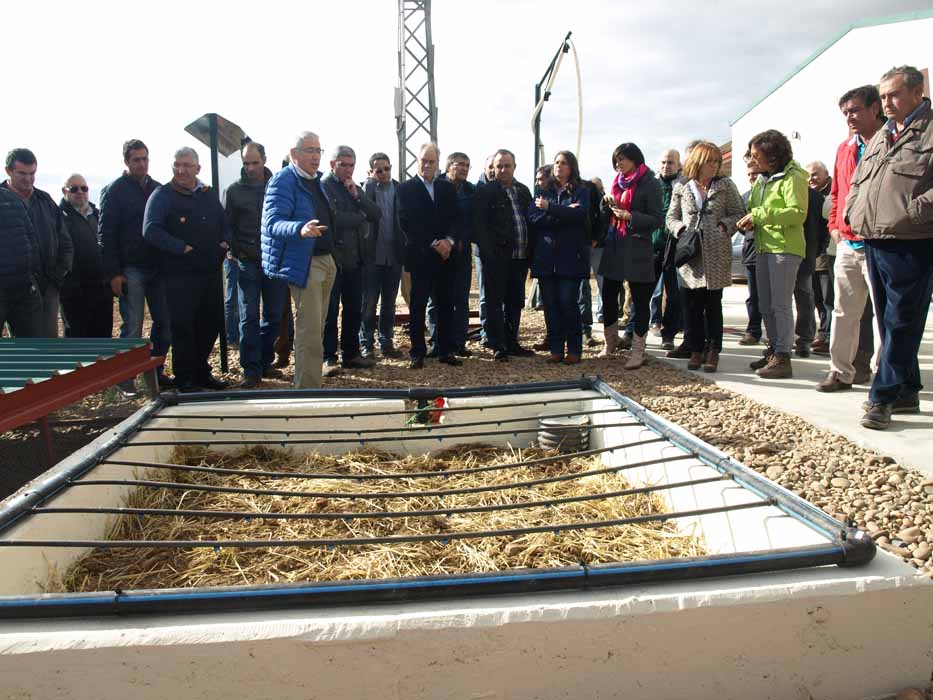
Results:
x,y
86,297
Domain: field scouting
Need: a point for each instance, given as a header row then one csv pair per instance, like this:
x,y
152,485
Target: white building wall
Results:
x,y
808,103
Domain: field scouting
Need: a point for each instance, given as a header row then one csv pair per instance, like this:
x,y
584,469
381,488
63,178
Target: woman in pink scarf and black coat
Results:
x,y
634,212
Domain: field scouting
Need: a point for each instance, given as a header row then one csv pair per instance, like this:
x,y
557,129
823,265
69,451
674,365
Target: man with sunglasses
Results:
x,y
87,302
53,244
385,252
353,212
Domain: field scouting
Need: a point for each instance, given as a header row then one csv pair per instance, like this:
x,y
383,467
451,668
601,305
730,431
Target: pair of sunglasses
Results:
x,y
74,188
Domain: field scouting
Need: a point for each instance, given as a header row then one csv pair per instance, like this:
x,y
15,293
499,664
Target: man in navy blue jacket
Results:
x,y
427,211
185,222
20,300
130,263
298,247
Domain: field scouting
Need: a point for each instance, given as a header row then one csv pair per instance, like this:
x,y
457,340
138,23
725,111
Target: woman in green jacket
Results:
x,y
777,208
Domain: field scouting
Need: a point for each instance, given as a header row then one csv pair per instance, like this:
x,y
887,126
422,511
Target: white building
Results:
x,y
805,104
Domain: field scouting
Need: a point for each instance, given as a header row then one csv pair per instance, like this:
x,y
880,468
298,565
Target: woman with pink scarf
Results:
x,y
634,212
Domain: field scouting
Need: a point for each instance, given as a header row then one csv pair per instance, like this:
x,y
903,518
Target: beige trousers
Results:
x,y
310,311
852,290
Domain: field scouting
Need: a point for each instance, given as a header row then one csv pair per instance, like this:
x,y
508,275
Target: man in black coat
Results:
x,y
186,224
54,249
243,206
352,213
129,261
20,300
505,248
427,212
87,300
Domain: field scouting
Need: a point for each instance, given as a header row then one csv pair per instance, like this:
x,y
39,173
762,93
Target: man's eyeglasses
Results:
x,y
75,188
312,150
379,171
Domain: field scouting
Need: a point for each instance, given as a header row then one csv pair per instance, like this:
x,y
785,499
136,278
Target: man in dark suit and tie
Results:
x,y
427,212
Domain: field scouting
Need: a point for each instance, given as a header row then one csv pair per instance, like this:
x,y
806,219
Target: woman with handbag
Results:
x,y
777,209
634,210
702,216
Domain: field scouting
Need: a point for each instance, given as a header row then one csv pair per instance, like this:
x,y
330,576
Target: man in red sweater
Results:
x,y
851,338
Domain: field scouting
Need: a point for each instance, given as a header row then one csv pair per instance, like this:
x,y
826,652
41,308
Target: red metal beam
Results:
x,y
42,398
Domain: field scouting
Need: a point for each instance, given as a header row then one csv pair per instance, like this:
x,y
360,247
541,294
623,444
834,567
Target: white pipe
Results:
x,y
576,60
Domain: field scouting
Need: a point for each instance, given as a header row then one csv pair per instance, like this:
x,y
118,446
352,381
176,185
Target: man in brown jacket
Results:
x,y
890,205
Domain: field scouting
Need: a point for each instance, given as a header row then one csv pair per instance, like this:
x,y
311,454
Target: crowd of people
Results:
x,y
837,264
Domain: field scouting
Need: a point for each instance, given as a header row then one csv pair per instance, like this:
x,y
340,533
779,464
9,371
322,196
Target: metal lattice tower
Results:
x,y
415,108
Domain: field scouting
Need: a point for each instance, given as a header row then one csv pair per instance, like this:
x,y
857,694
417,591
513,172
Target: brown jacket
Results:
x,y
892,187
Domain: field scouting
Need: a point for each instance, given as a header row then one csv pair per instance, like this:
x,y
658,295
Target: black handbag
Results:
x,y
690,242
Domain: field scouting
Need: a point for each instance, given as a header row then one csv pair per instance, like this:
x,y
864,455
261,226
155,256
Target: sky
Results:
x,y
655,73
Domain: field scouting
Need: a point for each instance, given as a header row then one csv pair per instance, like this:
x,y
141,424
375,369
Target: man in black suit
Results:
x,y
501,232
427,211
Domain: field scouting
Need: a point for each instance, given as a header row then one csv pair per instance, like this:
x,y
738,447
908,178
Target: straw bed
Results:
x,y
128,569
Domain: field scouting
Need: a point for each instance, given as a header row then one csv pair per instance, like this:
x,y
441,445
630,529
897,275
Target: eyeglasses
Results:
x,y
74,188
312,150
379,171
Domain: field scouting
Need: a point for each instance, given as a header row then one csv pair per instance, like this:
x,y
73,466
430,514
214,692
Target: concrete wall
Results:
x,y
808,103
830,634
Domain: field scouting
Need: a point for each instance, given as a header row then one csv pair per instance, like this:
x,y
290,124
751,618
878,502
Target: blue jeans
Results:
x,y
257,336
462,273
562,313
596,256
231,305
901,274
751,304
379,282
657,297
145,286
478,264
347,292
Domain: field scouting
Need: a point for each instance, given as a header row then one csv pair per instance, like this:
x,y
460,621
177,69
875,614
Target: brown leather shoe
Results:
x,y
749,339
555,359
711,363
681,352
763,362
572,360
820,347
696,359
833,382
778,367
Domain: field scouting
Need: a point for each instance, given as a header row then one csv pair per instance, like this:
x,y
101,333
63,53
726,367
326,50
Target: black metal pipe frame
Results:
x,y
376,495
419,428
846,546
368,414
442,538
373,515
392,436
265,474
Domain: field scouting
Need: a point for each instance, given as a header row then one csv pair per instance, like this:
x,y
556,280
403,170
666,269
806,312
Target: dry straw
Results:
x,y
128,569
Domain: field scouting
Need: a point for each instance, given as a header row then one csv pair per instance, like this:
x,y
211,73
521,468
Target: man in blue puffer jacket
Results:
x,y
298,247
20,300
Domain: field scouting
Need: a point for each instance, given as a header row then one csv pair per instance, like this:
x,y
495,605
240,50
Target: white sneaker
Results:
x,y
656,330
331,368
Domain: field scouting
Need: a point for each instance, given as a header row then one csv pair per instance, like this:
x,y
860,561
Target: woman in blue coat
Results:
x,y
558,219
